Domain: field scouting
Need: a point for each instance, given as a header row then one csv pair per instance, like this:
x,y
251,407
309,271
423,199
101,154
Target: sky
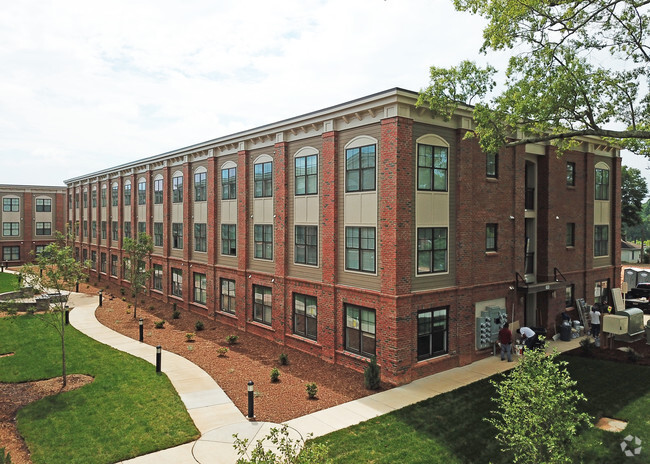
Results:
x,y
90,85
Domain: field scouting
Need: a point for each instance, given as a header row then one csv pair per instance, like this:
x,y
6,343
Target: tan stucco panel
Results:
x,y
263,211
201,212
602,212
229,211
432,209
361,208
306,209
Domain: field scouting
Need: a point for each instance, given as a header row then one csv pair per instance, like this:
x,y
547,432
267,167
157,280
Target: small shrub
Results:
x,y
190,347
371,374
283,359
122,292
129,305
160,324
176,314
587,346
275,374
199,326
190,336
222,351
123,298
151,307
31,310
232,339
312,390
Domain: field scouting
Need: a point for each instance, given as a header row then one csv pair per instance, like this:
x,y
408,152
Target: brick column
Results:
x,y
149,210
616,221
328,319
242,289
188,231
212,222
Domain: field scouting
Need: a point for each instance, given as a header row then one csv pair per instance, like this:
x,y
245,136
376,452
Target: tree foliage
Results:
x,y
537,413
56,273
578,68
634,189
138,250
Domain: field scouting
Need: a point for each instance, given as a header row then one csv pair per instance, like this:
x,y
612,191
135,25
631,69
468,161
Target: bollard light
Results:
x,y
101,294
67,315
76,289
141,322
158,357
251,407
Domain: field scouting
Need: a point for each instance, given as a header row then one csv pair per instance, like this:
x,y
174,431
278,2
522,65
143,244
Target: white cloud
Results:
x,y
89,85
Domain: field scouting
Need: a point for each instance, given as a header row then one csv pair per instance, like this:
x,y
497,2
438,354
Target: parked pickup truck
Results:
x,y
642,290
639,297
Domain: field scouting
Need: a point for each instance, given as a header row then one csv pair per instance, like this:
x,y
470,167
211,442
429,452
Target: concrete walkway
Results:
x,y
218,419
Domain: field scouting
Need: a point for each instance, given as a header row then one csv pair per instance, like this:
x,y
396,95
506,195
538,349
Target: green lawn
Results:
x,y
450,428
127,411
8,282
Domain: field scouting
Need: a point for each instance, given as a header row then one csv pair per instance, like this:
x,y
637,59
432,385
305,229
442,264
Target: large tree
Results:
x,y
138,250
578,68
634,189
56,273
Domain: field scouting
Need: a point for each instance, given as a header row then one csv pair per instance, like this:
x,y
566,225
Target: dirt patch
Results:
x,y
611,425
14,396
4,355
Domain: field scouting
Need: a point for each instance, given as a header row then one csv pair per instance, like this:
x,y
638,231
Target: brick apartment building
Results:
x,y
30,217
367,228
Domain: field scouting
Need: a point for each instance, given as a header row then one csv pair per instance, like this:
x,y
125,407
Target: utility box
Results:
x,y
488,324
616,325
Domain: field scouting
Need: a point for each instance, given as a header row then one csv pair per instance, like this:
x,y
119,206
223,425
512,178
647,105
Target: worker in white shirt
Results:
x,y
530,337
595,321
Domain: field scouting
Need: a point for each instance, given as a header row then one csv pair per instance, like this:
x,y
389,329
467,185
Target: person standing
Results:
x,y
595,321
505,339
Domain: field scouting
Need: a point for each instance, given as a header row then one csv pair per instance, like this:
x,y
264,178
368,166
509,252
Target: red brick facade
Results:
x,y
395,294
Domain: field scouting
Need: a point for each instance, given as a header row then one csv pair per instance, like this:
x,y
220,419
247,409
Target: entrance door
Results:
x,y
530,315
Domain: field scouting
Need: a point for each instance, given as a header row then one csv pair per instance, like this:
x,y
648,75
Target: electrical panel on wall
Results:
x,y
488,324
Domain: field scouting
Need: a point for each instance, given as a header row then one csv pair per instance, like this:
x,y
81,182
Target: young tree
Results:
x,y
537,410
633,191
578,68
138,251
56,273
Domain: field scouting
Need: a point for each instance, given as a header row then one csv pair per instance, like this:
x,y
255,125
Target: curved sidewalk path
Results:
x,y
217,418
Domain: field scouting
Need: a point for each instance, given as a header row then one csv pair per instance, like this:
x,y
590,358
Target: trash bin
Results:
x,y
565,332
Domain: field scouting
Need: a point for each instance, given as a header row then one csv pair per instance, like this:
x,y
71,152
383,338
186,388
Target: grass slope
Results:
x,y
127,411
449,428
8,282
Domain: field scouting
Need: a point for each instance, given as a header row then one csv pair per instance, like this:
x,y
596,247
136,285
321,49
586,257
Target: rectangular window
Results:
x,y
93,259
114,194
76,201
601,240
158,192
93,229
177,235
307,175
142,193
229,184
103,230
360,330
39,249
602,184
229,239
93,197
601,291
103,196
306,245
491,232
360,249
127,229
228,296
85,228
142,228
158,277
571,173
177,282
85,199
263,241
360,173
43,205
432,168
85,255
127,195
432,250
158,234
114,265
432,332
200,288
11,253
10,205
568,295
262,304
200,237
570,234
114,231
102,263
10,229
200,186
177,189
305,314
263,180
492,165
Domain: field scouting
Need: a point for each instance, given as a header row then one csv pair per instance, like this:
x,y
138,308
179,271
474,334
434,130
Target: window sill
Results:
x,y
358,357
491,253
175,297
199,305
434,359
300,338
493,180
571,187
261,325
227,314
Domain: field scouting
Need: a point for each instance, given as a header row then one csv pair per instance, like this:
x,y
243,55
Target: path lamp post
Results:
x,y
141,322
158,357
251,407
101,294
